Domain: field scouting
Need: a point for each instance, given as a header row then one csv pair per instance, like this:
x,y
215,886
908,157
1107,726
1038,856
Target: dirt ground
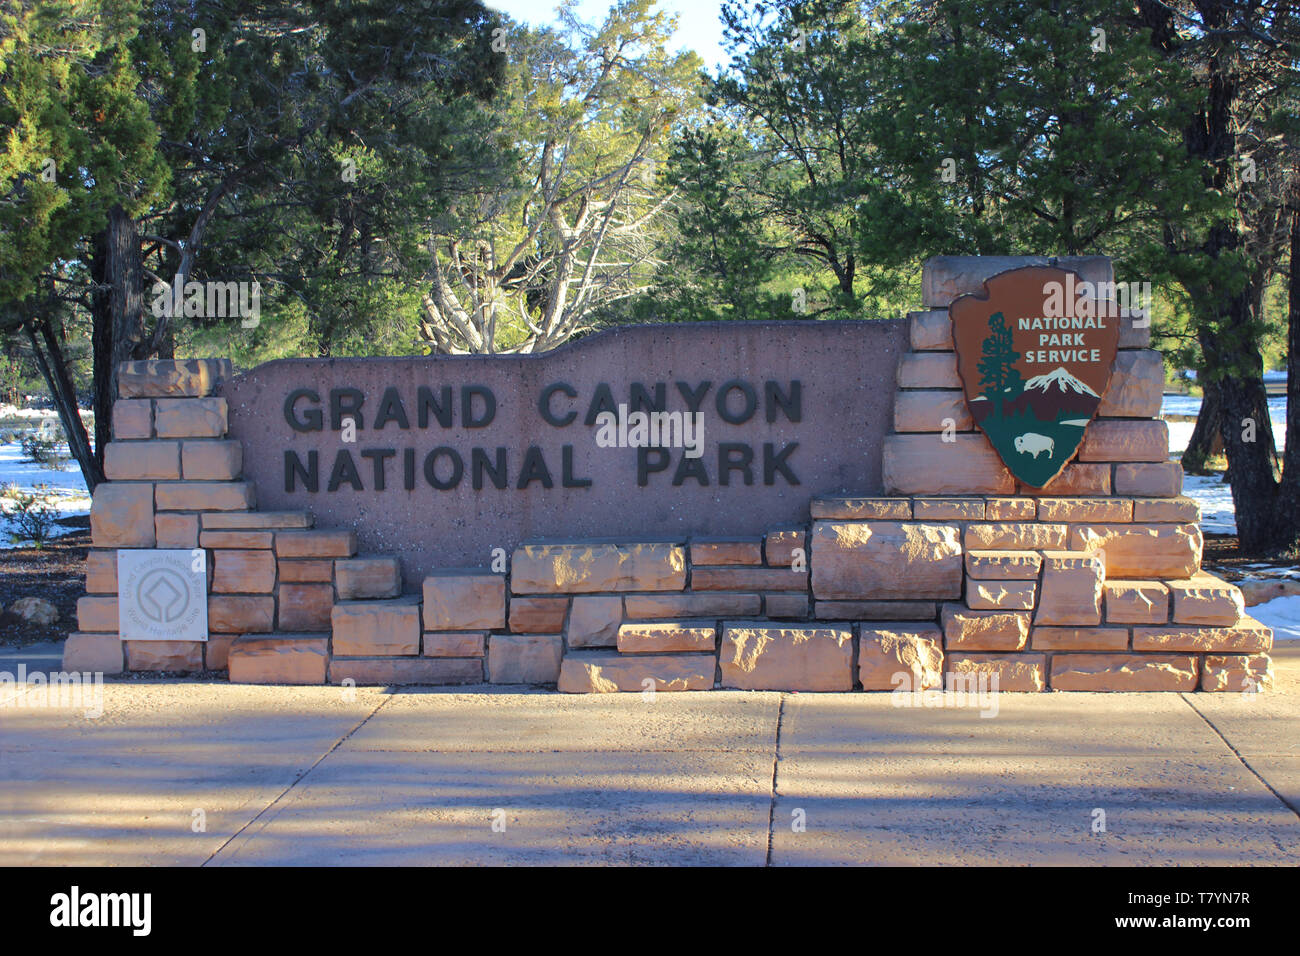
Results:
x,y
55,572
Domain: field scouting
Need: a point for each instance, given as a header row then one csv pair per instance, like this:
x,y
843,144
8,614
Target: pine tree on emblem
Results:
x,y
998,373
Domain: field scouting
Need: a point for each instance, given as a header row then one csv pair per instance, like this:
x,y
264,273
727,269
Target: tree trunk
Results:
x,y
1207,437
54,368
117,315
1288,500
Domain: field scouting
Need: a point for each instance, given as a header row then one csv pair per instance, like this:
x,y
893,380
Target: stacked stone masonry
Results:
x,y
956,574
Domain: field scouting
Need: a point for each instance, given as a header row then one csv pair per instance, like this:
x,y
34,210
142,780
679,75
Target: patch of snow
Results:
x,y
1282,615
1215,498
66,488
1180,433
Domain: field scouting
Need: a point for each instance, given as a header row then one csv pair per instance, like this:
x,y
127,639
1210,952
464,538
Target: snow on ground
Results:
x,y
1180,433
67,488
1282,615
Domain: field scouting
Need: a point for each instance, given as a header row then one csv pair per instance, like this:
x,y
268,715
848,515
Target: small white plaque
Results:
x,y
162,595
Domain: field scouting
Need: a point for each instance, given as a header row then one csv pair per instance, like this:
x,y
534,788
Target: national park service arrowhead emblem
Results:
x,y
1035,352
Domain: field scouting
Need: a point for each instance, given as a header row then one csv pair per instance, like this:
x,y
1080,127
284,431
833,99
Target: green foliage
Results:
x,y
999,378
30,515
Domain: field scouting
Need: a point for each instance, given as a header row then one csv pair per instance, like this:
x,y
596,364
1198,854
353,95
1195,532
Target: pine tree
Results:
x,y
998,373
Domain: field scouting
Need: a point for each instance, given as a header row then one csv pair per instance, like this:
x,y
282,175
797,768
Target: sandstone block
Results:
x,y
205,496
314,544
538,615
906,657
1159,479
306,607
597,568
216,652
996,673
1085,509
664,606
1003,565
1123,672
255,540
175,529
875,610
132,418
605,672
279,659
1079,639
1166,509
101,572
1205,599
1142,550
1000,595
243,572
142,460
1071,588
260,520
380,671
1242,673
1016,536
212,460
928,370
367,578
792,606
181,657
931,410
968,630
97,614
666,637
1118,439
948,509
241,613
121,516
931,330
927,465
1074,479
464,601
944,278
1247,637
376,628
594,619
190,417
722,551
162,377
1137,385
524,658
304,571
748,579
780,544
861,509
1010,509
93,653
1136,602
1260,592
758,656
455,644
885,559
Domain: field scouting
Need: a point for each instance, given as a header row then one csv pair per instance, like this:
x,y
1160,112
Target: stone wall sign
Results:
x,y
1035,352
162,595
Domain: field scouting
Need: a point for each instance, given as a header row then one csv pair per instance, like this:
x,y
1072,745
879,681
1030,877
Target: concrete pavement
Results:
x,y
197,773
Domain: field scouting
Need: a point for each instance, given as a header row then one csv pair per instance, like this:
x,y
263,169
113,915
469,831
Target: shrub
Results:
x,y
44,447
31,517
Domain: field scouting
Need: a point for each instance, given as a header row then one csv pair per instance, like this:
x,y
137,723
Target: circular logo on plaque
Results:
x,y
163,595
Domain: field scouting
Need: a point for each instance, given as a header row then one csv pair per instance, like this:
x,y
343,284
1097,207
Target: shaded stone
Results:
x,y
1142,550
464,601
256,540
928,370
944,278
605,672
373,671
524,658
132,418
190,418
722,551
376,628
306,607
594,619
243,572
666,637
93,653
1246,637
204,496
455,644
1123,672
1137,385
930,331
758,656
788,606
1003,565
1205,599
182,657
240,520
150,377
1075,479
907,657
367,577
996,673
1000,595
931,410
857,509
216,651
1136,602
137,460
875,610
1085,509
1071,588
1261,592
313,570
279,659
315,544
1127,440
37,610
101,572
596,568
241,613
1079,639
748,579
948,509
93,613
968,630
885,559
929,465
1159,479
1244,674
211,460
536,615
1180,510
121,516
662,606
174,529
780,545
1016,536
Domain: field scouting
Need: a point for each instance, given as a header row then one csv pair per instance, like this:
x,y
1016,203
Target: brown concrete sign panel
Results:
x,y
1035,353
645,431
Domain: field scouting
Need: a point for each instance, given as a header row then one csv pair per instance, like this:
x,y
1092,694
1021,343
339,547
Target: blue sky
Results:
x,y
698,27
